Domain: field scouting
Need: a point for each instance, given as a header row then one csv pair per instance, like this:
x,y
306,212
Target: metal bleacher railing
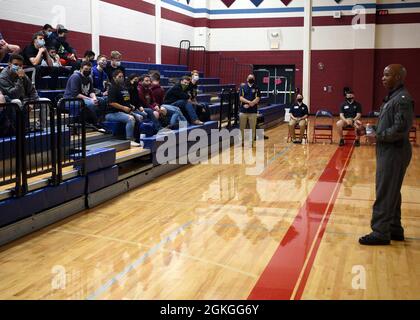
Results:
x,y
38,140
229,108
228,69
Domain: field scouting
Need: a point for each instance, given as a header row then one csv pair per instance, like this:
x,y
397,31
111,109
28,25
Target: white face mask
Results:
x,y
196,78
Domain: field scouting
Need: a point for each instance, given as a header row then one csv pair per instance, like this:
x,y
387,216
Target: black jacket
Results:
x,y
175,93
396,117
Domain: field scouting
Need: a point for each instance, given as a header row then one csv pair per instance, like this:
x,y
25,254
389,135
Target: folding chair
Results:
x,y
323,126
297,132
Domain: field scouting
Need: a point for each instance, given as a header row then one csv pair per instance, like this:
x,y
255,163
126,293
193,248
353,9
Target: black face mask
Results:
x,y
299,100
251,81
350,100
86,73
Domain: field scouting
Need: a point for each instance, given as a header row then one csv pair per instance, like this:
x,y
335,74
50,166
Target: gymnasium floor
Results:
x,y
213,232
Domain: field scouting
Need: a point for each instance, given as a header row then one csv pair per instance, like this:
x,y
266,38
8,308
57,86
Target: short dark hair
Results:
x,y
37,34
144,76
116,73
47,26
16,57
132,76
185,78
155,76
85,63
89,53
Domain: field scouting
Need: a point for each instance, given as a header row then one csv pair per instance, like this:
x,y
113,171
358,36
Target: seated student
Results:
x,y
65,51
120,107
100,77
6,48
34,54
14,83
132,84
80,85
62,71
178,96
17,87
157,91
89,56
298,115
350,112
202,111
48,31
114,64
146,97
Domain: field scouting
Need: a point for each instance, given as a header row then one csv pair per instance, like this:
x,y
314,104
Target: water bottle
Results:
x,y
369,130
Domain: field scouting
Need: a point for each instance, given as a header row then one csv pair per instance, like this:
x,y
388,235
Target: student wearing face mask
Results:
x,y
249,96
80,85
121,108
298,115
350,113
35,54
202,110
178,96
100,77
64,50
14,83
48,31
114,64
18,88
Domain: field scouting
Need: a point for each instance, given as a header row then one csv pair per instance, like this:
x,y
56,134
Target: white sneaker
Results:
x,y
134,144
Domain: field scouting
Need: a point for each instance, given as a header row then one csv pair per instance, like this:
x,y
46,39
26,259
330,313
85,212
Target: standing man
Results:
x,y
393,155
298,115
249,96
350,113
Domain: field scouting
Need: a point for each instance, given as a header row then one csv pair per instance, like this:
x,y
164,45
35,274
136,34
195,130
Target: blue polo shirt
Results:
x,y
298,111
99,78
249,93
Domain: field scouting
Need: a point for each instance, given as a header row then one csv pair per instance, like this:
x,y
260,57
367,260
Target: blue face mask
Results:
x,y
14,68
41,43
49,33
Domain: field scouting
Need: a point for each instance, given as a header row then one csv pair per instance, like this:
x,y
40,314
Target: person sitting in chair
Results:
x,y
298,115
350,113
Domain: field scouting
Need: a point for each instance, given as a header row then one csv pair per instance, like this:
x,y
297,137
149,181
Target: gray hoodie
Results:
x,y
17,88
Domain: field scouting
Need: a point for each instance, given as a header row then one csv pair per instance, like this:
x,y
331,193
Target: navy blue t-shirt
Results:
x,y
249,93
350,110
299,111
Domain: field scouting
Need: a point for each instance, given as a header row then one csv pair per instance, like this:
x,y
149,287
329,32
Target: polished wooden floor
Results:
x,y
209,232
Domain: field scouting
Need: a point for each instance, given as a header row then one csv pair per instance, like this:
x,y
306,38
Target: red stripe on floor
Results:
x,y
291,263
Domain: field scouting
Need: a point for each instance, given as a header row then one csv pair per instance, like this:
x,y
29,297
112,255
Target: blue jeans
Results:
x,y
95,112
175,115
187,108
148,113
128,119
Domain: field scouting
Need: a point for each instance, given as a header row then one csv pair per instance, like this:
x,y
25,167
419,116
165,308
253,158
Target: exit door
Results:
x,y
277,83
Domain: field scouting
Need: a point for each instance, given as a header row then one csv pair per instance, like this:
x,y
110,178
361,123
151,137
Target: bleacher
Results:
x,y
111,166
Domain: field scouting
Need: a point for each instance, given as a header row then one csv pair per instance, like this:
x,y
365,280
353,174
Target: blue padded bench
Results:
x,y
98,159
153,144
15,209
50,94
101,179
